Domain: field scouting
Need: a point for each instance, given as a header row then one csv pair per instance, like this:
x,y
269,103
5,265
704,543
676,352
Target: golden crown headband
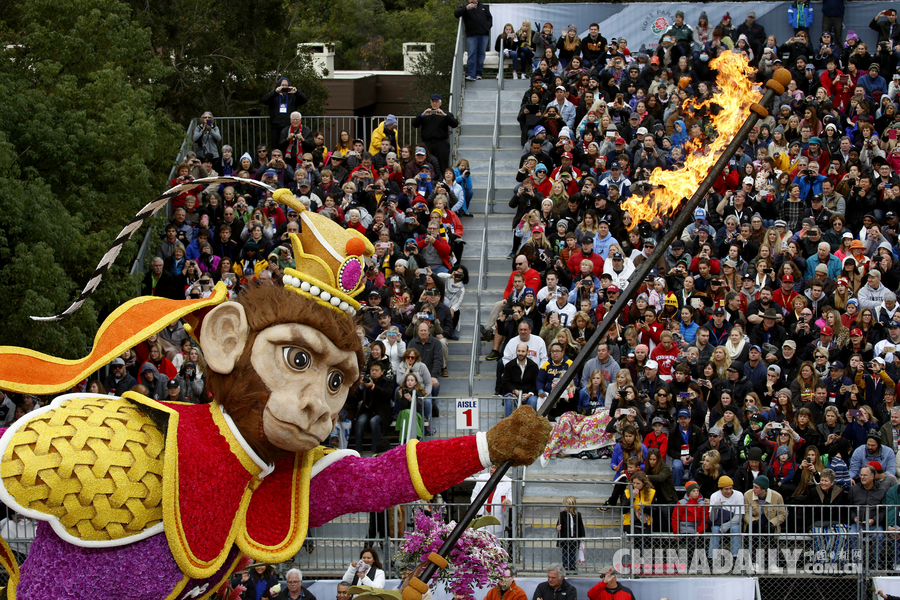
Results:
x,y
329,269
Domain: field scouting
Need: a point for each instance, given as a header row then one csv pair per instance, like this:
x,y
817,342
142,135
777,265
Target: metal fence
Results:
x,y
244,134
812,542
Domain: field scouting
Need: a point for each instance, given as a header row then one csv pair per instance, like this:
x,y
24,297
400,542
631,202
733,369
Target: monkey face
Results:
x,y
309,379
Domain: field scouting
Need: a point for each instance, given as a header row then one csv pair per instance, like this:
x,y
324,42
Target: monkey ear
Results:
x,y
223,336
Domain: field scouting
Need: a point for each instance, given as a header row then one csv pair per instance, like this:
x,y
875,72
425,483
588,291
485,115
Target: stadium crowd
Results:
x,y
760,355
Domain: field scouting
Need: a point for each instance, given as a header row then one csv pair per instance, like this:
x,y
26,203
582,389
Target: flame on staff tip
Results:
x,y
668,188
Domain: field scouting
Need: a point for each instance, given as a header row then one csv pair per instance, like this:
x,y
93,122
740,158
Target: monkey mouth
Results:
x,y
286,434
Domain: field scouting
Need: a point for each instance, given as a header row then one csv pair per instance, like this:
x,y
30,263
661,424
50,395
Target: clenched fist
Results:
x,y
521,437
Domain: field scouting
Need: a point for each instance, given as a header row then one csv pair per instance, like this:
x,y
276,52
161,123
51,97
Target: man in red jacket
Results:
x,y
434,249
785,295
532,277
586,252
609,588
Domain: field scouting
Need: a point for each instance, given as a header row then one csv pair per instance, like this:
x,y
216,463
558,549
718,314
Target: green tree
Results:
x,y
82,147
226,55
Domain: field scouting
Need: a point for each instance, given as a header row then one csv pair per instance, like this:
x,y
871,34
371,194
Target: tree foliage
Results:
x,y
82,147
226,55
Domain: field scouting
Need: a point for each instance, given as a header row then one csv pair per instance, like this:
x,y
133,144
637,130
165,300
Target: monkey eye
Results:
x,y
297,358
335,380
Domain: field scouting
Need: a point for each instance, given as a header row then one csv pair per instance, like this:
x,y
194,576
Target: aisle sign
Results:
x,y
467,413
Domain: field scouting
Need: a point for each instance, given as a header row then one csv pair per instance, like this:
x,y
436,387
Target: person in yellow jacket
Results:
x,y
387,129
252,264
643,493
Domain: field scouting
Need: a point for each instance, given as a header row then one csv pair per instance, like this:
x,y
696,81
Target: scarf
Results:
x,y
734,351
289,151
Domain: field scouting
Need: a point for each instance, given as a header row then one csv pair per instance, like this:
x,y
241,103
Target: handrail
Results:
x,y
482,281
474,363
186,146
454,102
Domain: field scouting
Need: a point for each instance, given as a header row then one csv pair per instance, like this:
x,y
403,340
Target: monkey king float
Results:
x,y
147,500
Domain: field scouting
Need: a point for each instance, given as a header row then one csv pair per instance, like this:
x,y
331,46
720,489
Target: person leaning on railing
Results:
x,y
827,512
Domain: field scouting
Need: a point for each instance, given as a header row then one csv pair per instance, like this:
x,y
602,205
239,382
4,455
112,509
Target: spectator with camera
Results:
x,y
282,101
434,251
374,408
206,136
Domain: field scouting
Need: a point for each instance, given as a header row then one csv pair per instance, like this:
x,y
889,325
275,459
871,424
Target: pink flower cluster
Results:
x,y
477,560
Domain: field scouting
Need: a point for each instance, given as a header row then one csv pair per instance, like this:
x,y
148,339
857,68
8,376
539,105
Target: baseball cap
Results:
x,y
566,155
719,311
658,420
420,151
856,331
716,431
613,289
788,278
620,140
790,343
651,364
654,60
538,229
616,165
893,324
172,384
410,182
837,365
561,87
700,213
826,330
561,289
747,180
684,413
435,96
619,256
117,362
776,369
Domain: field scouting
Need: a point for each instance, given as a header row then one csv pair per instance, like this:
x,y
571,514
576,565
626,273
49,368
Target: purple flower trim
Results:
x,y
57,570
377,483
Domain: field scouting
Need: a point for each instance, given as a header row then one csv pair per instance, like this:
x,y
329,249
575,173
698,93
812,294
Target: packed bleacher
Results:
x,y
761,349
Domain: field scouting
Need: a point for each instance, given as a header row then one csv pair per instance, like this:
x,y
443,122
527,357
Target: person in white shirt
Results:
x,y
537,350
726,515
561,305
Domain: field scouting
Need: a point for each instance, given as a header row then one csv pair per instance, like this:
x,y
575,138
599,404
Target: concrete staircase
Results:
x,y
562,477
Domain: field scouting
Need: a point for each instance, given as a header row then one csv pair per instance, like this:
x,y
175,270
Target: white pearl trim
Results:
x,y
314,290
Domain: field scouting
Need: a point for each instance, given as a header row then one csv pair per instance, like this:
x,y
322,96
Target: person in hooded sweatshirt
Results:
x,y
191,384
153,381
